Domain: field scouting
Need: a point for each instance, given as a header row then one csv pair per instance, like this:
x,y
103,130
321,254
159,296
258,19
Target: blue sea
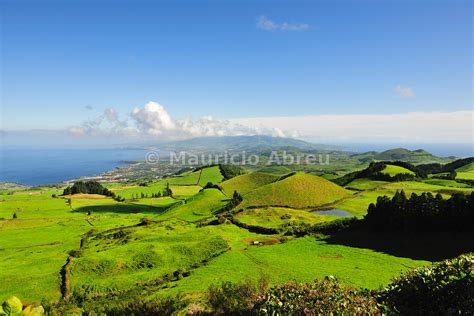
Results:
x,y
51,166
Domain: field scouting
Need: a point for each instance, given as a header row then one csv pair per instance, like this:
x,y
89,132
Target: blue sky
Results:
x,y
200,58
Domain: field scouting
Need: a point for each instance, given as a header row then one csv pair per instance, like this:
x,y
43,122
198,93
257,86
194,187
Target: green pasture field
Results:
x,y
200,177
364,184
393,170
247,182
272,217
120,256
466,172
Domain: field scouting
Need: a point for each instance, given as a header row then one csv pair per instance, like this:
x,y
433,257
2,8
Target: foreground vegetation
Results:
x,y
192,246
444,288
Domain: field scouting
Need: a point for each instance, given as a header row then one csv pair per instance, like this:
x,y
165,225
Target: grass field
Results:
x,y
393,170
120,257
200,177
272,217
298,259
466,172
278,170
200,206
364,184
247,182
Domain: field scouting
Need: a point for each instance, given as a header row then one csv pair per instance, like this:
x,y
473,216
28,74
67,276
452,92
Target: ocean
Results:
x,y
50,166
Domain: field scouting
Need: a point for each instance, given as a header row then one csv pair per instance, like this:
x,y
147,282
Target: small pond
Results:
x,y
334,212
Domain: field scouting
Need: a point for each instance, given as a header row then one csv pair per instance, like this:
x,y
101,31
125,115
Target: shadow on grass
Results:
x,y
125,208
428,246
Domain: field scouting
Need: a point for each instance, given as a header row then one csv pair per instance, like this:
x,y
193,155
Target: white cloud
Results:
x,y
106,124
405,92
153,121
429,127
266,24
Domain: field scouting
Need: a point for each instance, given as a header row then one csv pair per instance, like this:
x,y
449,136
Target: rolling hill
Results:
x,y
412,156
247,182
298,190
199,177
393,170
466,172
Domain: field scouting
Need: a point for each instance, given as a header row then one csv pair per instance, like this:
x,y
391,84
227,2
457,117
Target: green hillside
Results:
x,y
273,217
275,169
466,172
298,191
247,182
393,170
412,156
199,177
200,206
364,184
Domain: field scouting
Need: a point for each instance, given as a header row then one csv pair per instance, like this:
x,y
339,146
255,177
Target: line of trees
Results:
x,y
94,187
424,212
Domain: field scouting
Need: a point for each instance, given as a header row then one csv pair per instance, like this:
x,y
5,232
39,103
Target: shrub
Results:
x,y
319,297
302,229
445,288
231,298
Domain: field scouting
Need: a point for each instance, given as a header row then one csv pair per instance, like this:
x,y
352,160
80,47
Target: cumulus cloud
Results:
x,y
266,24
405,92
153,121
108,123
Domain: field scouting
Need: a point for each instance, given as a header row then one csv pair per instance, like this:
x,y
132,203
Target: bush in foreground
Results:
x,y
232,298
319,297
446,288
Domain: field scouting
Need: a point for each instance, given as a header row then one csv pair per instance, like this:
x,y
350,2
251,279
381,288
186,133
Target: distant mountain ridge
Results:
x,y
402,154
249,143
261,144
